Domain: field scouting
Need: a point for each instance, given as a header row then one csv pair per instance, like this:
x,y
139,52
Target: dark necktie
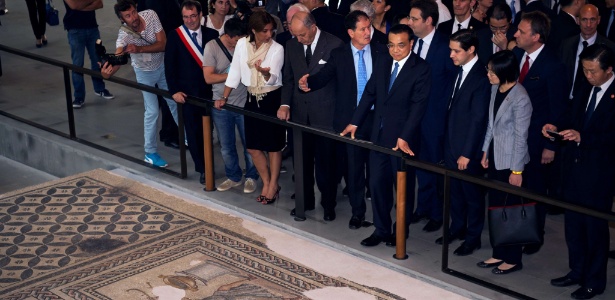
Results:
x,y
513,10
194,34
591,107
420,48
458,27
308,54
578,75
458,84
393,75
524,69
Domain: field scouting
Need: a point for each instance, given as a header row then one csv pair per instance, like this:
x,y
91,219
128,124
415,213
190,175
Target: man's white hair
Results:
x,y
364,6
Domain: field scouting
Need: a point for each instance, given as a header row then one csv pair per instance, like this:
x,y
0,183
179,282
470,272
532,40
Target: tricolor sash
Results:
x,y
191,44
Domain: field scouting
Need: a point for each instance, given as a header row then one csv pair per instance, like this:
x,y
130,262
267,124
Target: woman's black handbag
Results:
x,y
513,225
53,17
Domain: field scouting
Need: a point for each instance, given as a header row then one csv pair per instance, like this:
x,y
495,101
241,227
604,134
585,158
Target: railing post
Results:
x,y
181,141
400,229
298,167
69,103
209,155
446,217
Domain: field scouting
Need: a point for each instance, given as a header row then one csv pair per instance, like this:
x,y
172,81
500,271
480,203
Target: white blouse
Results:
x,y
240,72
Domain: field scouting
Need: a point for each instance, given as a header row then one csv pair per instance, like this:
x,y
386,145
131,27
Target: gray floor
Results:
x,y
35,91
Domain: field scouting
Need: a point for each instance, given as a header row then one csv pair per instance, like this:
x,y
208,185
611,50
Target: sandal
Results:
x,y
275,197
44,40
260,198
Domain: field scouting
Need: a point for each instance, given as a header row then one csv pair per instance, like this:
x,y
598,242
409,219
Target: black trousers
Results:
x,y
319,163
193,122
38,17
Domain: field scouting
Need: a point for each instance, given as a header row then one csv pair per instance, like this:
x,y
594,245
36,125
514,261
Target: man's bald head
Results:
x,y
303,27
589,18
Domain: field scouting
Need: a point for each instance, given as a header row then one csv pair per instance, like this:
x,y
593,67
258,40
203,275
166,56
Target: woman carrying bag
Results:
x,y
505,151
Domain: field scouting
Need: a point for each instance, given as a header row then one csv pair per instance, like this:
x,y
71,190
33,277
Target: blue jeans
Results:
x,y
225,122
150,119
80,40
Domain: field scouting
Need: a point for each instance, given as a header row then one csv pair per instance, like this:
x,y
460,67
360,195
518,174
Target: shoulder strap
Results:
x,y
228,54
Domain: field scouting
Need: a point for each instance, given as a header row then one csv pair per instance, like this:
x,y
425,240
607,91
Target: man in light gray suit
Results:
x,y
307,54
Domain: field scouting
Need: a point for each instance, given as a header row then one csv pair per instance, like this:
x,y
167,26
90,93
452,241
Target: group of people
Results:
x,y
498,95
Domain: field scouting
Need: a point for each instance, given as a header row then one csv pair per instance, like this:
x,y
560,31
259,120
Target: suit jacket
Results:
x,y
398,112
183,73
467,115
568,55
447,27
547,86
590,165
331,23
340,68
379,37
564,26
485,45
508,129
442,71
534,6
605,15
317,106
283,37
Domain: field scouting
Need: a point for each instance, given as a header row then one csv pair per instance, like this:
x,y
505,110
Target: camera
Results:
x,y
113,59
260,3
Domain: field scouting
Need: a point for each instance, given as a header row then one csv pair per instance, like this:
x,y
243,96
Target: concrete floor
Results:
x,y
34,91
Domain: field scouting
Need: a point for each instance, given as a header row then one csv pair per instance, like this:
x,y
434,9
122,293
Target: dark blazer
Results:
x,y
317,107
340,68
330,22
398,113
467,115
547,86
485,45
534,6
181,69
447,27
379,37
568,55
605,15
564,26
283,37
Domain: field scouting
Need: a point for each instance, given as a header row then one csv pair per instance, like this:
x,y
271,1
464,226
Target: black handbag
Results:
x,y
53,17
513,224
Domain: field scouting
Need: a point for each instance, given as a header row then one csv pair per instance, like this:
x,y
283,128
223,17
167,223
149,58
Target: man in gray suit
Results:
x,y
307,54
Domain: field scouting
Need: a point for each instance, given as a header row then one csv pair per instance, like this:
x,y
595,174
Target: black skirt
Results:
x,y
263,135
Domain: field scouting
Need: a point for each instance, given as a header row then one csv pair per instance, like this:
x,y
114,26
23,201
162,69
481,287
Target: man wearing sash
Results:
x,y
183,62
142,36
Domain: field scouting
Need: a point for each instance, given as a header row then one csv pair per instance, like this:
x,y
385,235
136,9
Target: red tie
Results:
x,y
524,69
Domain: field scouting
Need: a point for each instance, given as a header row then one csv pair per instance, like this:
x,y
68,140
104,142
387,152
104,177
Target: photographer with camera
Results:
x,y
141,35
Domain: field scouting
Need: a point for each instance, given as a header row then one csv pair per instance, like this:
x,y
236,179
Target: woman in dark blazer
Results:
x,y
505,151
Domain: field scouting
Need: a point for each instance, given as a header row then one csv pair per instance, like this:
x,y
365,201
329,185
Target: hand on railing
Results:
x,y
349,129
180,97
403,146
284,113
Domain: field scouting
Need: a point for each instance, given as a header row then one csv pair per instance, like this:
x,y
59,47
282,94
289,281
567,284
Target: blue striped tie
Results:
x,y
393,75
362,76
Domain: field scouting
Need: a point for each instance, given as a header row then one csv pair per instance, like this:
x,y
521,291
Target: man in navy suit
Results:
x,y
544,78
588,129
463,18
398,90
350,66
565,22
465,133
500,31
432,46
185,76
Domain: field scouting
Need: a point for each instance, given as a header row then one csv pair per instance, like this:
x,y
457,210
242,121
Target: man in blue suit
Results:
x,y
463,139
398,90
350,66
544,78
432,46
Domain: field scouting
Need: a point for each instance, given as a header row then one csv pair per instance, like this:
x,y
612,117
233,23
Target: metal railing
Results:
x,y
298,131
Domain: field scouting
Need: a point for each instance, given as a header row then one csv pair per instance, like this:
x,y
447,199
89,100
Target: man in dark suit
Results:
x,y
462,18
307,54
399,90
565,23
285,36
572,47
432,46
500,31
367,7
326,20
465,133
531,6
350,66
607,16
184,75
588,128
543,76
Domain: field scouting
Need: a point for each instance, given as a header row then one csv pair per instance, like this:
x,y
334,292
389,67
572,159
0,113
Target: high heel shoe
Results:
x,y
260,198
275,197
44,40
39,44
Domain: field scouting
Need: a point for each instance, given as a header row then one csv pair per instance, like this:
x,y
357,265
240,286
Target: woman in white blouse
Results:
x,y
257,63
218,14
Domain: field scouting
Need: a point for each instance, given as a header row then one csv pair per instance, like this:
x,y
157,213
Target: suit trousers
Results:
x,y
383,174
428,200
193,123
535,176
319,156
357,178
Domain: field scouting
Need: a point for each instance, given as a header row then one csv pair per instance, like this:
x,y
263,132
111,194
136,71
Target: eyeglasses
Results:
x,y
398,46
500,28
192,16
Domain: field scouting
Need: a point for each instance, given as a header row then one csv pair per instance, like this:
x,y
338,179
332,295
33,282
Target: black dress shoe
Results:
x,y
466,249
459,235
432,226
173,145
202,178
584,293
368,196
416,217
345,192
293,212
372,240
499,271
329,215
482,264
356,222
531,248
564,281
